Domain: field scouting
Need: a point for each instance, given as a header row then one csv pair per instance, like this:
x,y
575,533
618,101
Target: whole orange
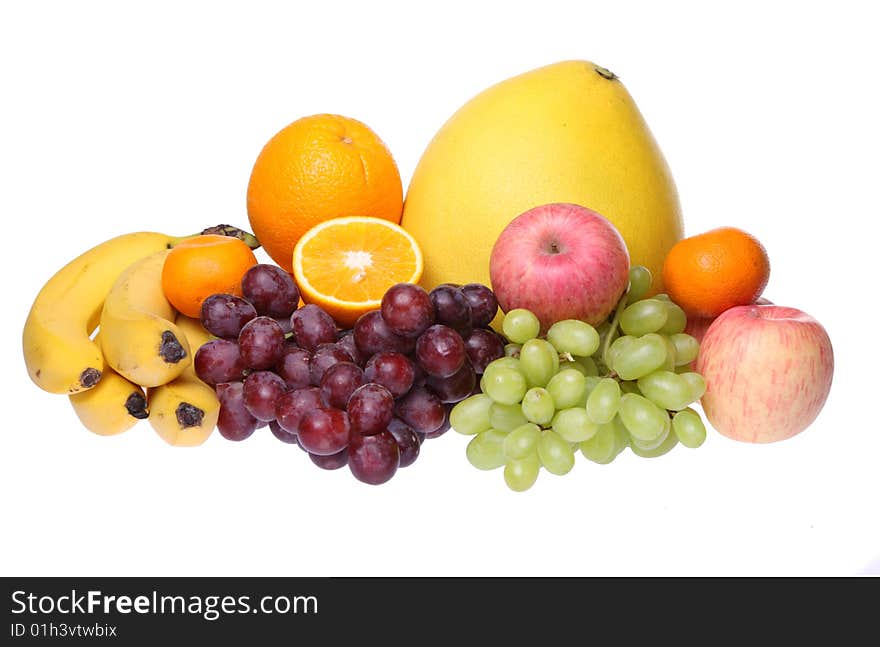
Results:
x,y
201,266
711,272
317,168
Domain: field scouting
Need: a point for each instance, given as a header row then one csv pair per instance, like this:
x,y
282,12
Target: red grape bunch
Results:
x,y
366,397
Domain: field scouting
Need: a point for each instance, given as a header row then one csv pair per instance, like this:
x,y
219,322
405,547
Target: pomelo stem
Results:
x,y
225,230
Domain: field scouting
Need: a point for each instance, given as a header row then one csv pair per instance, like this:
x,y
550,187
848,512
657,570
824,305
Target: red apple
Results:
x,y
768,371
561,261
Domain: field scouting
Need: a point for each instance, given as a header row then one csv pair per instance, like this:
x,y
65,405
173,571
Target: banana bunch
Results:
x,y
139,365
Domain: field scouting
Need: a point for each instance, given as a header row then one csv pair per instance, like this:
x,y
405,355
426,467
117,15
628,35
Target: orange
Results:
x,y
201,266
345,265
317,168
716,270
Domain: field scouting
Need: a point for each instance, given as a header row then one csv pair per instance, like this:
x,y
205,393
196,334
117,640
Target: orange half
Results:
x,y
345,265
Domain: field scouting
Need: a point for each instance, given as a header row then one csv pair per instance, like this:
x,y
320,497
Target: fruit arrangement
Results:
x,y
534,291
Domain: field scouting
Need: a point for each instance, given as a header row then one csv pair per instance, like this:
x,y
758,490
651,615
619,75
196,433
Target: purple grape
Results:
x,y
421,410
293,366
219,361
324,431
261,391
323,357
419,377
370,408
346,342
393,371
312,326
293,405
372,335
456,387
482,347
285,324
407,441
282,434
444,426
235,422
339,382
271,290
224,315
484,305
261,342
407,309
451,308
373,459
440,351
331,462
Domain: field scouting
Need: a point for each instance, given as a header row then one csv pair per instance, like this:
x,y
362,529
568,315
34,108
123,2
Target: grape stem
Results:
x,y
612,332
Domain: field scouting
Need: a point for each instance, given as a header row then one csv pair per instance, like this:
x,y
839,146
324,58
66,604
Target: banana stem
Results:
x,y
225,230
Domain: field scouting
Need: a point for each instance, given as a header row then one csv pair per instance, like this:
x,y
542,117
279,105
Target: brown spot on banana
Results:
x,y
189,415
171,350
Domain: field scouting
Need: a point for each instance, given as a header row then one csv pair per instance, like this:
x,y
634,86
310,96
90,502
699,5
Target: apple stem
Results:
x,y
612,332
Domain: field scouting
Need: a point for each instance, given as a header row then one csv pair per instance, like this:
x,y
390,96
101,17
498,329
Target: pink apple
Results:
x,y
768,371
561,261
697,326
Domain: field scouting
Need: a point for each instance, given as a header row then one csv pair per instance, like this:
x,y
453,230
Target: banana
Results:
x,y
114,405
184,411
138,338
58,351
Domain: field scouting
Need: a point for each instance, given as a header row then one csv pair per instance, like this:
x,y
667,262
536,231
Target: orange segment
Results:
x,y
345,265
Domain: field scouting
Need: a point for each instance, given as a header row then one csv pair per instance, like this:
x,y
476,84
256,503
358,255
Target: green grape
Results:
x,y
539,361
574,425
485,451
555,453
689,428
643,419
627,387
506,362
512,350
567,387
521,442
601,448
520,325
521,474
662,297
669,442
696,383
573,365
603,401
621,435
589,365
573,336
640,357
651,445
686,348
676,320
504,385
639,283
538,406
471,416
618,347
590,383
643,317
506,417
666,389
669,362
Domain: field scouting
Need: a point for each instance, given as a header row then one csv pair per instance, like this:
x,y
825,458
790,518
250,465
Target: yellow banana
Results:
x,y
58,351
114,405
184,411
138,338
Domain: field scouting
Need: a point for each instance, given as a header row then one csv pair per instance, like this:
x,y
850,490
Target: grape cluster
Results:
x,y
626,384
366,397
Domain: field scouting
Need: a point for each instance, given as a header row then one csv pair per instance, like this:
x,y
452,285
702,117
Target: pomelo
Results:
x,y
568,132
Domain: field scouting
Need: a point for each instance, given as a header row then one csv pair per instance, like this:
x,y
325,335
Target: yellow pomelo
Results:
x,y
568,132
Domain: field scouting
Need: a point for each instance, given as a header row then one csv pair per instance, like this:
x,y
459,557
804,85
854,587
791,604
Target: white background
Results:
x,y
117,119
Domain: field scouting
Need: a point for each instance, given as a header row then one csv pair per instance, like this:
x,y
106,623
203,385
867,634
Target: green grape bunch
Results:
x,y
626,384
